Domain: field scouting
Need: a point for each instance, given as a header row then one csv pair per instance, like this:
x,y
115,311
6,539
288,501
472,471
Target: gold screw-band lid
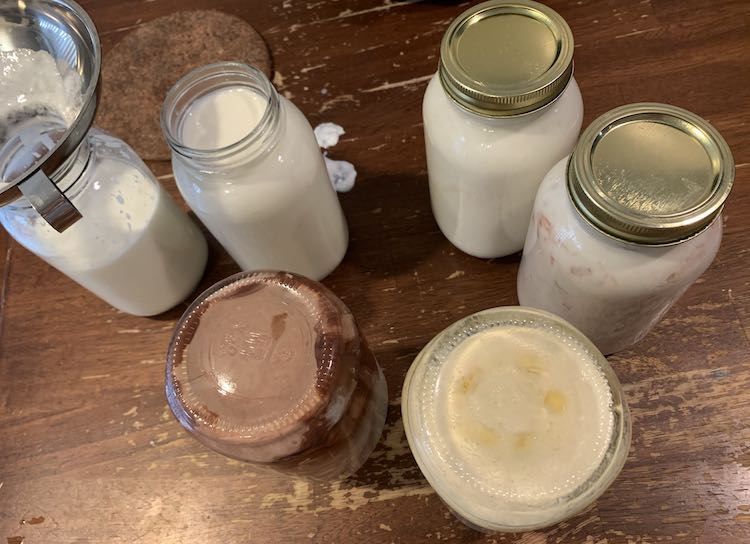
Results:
x,y
650,174
504,58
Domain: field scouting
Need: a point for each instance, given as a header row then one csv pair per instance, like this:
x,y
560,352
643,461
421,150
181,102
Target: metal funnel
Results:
x,y
62,28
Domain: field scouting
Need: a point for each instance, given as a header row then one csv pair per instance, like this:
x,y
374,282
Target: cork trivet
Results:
x,y
141,68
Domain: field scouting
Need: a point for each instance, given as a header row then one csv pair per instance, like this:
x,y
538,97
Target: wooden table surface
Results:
x,y
89,451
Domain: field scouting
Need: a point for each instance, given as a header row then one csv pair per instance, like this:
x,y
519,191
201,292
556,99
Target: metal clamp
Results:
x,y
49,201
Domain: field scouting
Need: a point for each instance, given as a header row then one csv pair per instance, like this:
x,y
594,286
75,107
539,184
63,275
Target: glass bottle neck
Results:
x,y
257,138
67,176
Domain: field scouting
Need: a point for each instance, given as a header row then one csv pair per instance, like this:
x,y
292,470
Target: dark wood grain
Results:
x,y
88,446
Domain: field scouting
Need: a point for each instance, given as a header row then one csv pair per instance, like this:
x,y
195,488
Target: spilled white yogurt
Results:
x,y
328,134
342,173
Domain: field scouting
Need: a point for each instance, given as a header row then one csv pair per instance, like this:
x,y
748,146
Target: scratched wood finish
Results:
x,y
90,453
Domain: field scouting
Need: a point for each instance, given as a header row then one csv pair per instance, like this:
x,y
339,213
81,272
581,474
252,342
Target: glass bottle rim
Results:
x,y
424,449
204,80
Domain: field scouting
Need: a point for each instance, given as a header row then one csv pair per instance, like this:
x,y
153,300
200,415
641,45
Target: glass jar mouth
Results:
x,y
205,80
435,462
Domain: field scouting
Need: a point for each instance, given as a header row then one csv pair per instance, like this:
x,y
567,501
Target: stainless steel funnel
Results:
x,y
62,28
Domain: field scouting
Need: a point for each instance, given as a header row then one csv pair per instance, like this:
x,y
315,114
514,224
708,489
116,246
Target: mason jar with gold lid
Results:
x,y
502,109
624,226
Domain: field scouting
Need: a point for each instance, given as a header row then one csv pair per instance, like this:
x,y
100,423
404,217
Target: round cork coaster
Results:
x,y
143,66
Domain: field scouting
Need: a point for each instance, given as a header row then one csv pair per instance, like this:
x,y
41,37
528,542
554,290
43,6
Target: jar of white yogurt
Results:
x,y
501,111
624,226
247,163
133,247
515,418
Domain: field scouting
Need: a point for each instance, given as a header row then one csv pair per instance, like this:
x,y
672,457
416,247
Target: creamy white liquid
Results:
x,y
513,420
133,247
526,417
277,211
159,268
222,118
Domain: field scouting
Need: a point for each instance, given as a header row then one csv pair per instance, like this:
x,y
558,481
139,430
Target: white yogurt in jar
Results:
x,y
247,163
484,173
222,118
501,111
527,417
515,419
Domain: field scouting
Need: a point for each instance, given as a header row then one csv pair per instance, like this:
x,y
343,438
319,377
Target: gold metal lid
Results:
x,y
650,174
504,58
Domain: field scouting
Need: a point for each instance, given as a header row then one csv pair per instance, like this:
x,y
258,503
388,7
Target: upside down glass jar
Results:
x,y
134,247
515,418
247,162
271,368
501,111
624,226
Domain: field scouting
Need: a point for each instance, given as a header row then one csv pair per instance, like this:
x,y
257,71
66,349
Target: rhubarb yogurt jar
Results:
x,y
627,223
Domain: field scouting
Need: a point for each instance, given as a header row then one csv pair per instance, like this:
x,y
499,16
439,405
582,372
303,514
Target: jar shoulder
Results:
x,y
446,121
104,145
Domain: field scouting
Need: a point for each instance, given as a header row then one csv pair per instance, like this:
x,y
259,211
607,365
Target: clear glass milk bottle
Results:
x,y
133,246
624,226
502,109
247,163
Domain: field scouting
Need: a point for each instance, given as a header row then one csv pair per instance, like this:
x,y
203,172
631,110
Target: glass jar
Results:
x,y
247,163
271,368
134,247
515,419
624,226
501,111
